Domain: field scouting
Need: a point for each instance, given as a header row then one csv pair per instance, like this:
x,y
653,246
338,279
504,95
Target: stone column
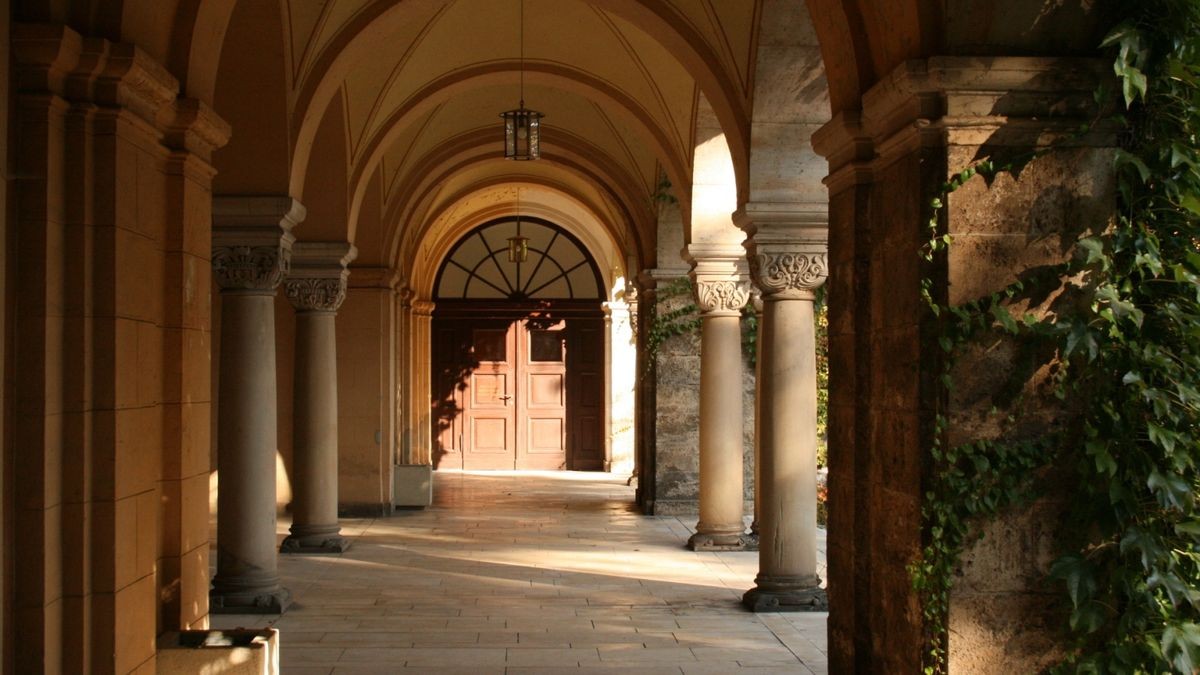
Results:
x,y
252,245
787,250
316,288
722,289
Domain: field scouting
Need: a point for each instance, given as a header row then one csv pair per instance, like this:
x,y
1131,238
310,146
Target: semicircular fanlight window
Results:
x,y
556,267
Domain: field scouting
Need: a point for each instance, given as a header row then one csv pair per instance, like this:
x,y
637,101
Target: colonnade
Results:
x,y
254,253
784,257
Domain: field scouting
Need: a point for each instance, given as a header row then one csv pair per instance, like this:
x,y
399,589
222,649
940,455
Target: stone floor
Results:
x,y
530,572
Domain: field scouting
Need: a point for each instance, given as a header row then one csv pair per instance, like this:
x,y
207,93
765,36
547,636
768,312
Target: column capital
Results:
x,y
317,281
422,307
787,248
252,241
719,275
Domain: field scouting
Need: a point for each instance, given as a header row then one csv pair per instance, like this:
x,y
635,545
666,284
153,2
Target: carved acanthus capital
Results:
x,y
631,300
786,247
725,296
789,274
719,276
251,268
319,274
316,295
252,241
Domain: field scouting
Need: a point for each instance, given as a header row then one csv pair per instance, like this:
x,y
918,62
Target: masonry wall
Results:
x,y
677,421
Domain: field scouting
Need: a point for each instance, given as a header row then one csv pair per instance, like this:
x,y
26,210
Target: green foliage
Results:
x,y
1128,367
683,320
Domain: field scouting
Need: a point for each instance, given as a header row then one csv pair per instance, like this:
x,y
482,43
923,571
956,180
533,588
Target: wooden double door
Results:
x,y
523,393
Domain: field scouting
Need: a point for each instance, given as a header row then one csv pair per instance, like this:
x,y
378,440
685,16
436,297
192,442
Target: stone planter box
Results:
x,y
412,486
228,652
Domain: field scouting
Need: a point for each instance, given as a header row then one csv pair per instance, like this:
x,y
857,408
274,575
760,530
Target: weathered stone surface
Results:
x,y
677,420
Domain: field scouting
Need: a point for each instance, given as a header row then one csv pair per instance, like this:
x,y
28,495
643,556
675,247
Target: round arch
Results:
x,y
491,202
555,265
421,202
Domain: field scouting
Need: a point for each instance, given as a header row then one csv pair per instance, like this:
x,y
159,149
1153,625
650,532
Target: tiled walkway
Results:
x,y
531,573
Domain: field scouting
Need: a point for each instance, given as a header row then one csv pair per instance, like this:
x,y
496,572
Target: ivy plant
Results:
x,y
1126,365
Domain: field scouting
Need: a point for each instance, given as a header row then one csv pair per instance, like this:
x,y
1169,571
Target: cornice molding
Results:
x,y
961,99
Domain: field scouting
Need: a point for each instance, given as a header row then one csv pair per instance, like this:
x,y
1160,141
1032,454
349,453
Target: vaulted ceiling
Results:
x,y
413,89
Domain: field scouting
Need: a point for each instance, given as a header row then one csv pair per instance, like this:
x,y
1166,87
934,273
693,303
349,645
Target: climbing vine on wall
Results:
x,y
1126,364
682,319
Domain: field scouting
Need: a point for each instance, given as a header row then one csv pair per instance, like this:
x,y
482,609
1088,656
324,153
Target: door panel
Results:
x,y
585,390
490,413
542,401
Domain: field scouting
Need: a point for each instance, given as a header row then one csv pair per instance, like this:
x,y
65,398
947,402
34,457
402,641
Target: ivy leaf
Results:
x,y
1181,646
1123,32
1172,490
1079,577
1188,528
1190,202
1123,158
1093,247
1088,618
1002,315
1133,84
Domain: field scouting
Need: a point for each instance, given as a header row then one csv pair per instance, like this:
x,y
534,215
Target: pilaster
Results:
x,y
102,436
368,414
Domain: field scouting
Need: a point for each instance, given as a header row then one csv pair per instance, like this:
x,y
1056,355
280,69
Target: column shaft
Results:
x,y
246,578
721,484
787,577
315,474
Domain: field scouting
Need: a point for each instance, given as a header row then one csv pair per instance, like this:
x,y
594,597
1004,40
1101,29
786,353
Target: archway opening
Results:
x,y
518,347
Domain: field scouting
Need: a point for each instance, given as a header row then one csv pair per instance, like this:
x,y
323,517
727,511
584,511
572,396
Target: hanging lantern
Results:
x,y
522,129
518,249
518,246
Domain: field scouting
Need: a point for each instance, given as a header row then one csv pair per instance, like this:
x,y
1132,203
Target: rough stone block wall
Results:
x,y
1004,615
677,422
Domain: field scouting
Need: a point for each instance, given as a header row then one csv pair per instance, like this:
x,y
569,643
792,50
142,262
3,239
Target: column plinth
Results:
x,y
251,254
316,288
788,264
722,289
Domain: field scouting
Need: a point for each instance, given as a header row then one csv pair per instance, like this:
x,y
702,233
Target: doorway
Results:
x,y
518,353
518,393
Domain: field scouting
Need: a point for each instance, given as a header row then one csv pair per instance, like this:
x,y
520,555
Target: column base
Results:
x,y
239,602
787,594
751,541
314,544
708,541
